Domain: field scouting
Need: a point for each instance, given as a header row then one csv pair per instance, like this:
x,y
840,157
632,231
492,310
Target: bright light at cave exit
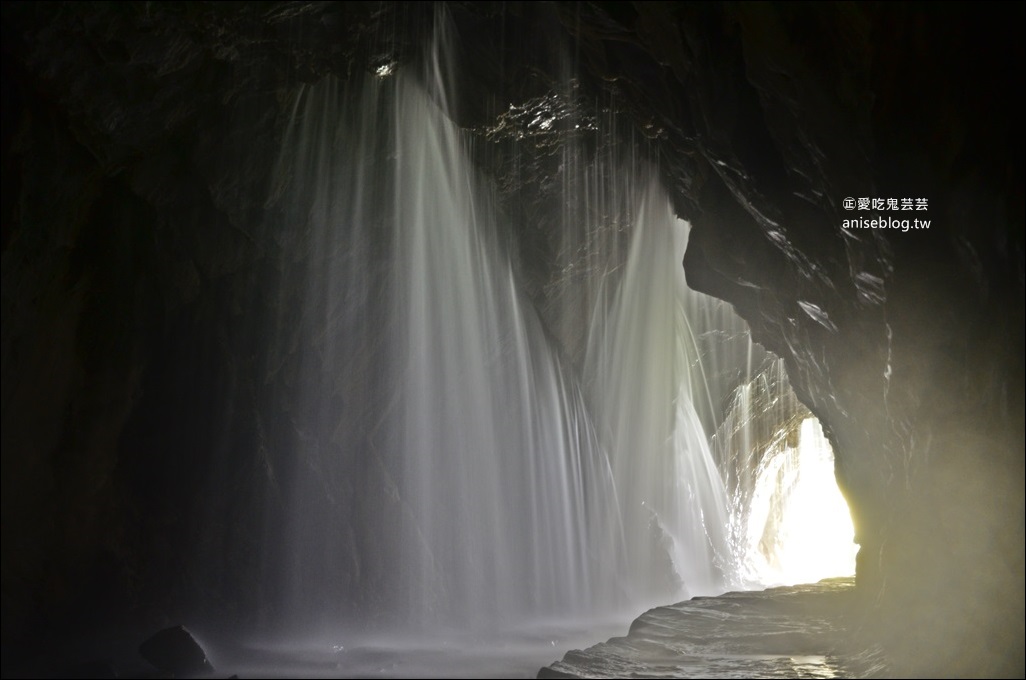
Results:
x,y
799,527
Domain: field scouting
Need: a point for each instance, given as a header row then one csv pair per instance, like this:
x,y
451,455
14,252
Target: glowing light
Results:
x,y
799,528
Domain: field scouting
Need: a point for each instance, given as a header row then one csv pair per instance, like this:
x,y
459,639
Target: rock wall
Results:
x,y
906,344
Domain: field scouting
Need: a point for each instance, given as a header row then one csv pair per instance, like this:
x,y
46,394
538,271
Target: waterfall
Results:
x,y
464,482
502,475
639,374
447,463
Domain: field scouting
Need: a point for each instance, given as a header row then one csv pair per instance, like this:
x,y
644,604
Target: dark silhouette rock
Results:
x,y
174,650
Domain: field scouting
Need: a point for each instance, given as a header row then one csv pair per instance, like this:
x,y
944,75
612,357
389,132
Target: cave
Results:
x,y
239,290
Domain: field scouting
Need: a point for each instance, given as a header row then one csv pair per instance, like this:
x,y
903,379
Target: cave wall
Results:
x,y
137,146
142,415
906,344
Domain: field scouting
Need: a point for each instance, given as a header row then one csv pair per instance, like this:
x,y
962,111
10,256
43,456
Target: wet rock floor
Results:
x,y
805,631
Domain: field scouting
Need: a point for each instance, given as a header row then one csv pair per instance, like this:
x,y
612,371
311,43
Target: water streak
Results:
x,y
639,375
502,475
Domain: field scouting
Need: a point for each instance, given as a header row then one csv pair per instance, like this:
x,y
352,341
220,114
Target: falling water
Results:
x,y
451,466
502,474
478,487
639,363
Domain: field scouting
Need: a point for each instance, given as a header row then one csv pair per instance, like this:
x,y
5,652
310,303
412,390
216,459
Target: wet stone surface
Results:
x,y
800,631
